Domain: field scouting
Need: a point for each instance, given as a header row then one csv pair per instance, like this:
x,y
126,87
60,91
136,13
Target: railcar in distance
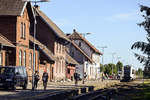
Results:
x,y
128,73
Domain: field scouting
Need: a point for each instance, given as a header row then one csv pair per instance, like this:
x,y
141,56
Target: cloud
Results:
x,y
124,16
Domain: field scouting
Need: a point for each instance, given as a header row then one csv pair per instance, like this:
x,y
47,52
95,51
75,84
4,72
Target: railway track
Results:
x,y
121,91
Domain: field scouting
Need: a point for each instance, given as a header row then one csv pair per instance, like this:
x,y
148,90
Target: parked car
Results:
x,y
13,76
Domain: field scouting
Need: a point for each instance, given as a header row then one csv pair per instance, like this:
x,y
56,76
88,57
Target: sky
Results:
x,y
112,23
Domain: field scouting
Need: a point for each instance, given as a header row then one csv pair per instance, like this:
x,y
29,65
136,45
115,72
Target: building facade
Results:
x,y
92,69
55,40
16,25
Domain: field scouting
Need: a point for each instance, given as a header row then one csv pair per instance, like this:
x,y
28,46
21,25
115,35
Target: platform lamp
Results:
x,y
35,23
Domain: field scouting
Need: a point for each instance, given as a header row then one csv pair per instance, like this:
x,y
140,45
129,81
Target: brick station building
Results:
x,y
17,30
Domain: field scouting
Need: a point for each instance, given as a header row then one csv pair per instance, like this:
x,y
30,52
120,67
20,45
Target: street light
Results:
x,y
112,61
35,22
84,34
103,47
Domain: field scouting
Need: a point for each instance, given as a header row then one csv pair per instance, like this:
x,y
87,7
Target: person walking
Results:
x,y
76,78
45,79
36,79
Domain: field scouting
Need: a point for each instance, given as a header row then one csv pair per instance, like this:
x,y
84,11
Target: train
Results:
x,y
128,73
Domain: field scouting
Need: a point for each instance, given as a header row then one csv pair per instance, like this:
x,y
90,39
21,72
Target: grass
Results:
x,y
143,93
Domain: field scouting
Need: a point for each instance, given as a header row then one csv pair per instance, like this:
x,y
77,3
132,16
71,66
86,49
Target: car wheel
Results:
x,y
6,88
25,86
14,87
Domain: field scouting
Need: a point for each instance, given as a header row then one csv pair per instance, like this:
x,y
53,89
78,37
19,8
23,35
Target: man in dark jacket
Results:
x,y
76,78
36,78
45,79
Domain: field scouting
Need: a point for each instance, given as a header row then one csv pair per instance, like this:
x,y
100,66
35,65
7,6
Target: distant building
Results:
x,y
92,68
75,52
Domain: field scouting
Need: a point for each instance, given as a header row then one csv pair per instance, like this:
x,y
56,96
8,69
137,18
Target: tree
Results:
x,y
139,72
144,47
119,66
146,72
102,68
108,69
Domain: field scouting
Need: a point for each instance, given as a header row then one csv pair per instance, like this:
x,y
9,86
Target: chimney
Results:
x,y
37,7
67,34
74,30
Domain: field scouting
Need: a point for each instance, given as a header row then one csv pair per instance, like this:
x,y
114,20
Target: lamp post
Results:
x,y
103,47
112,61
35,23
84,34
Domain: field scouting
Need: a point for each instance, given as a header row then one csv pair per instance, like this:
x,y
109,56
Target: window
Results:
x,y
79,44
20,58
21,30
72,54
24,58
1,59
62,67
63,49
68,71
24,31
59,66
56,67
30,60
57,47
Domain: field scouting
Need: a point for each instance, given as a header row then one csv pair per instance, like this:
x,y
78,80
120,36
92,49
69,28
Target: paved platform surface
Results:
x,y
52,88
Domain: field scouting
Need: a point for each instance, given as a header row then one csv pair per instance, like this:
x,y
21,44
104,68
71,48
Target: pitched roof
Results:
x,y
82,52
52,25
4,41
43,48
77,36
70,60
12,7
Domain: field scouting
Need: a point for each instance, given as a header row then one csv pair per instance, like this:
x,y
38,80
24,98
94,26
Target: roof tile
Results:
x,y
11,7
4,41
52,25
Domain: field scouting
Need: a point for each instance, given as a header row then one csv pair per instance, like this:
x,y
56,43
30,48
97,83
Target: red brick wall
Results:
x,y
47,36
25,20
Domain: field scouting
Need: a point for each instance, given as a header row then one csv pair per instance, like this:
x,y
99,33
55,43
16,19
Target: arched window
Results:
x,y
1,58
79,44
24,35
21,29
20,58
30,60
24,58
